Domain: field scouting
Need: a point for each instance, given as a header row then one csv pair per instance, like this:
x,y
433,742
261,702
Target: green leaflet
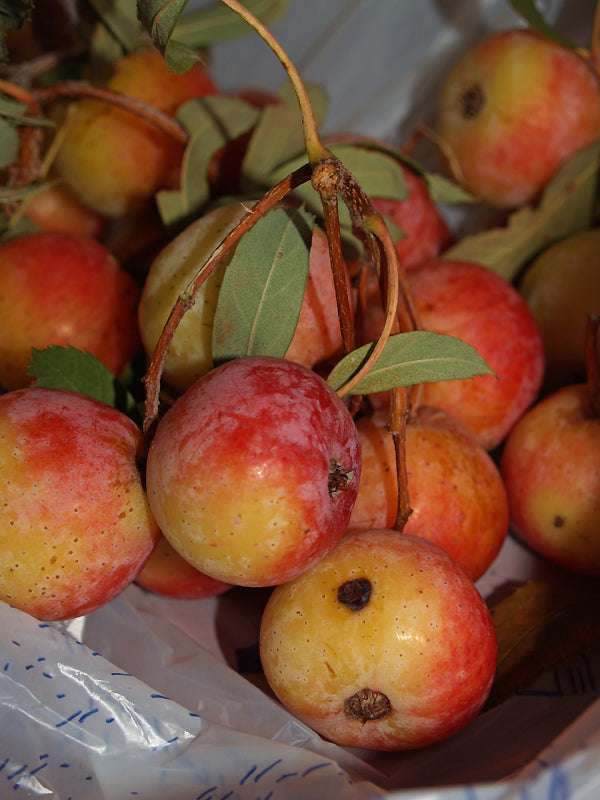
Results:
x,y
530,12
411,358
210,121
263,287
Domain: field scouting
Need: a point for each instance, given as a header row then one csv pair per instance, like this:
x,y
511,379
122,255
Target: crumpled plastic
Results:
x,y
159,699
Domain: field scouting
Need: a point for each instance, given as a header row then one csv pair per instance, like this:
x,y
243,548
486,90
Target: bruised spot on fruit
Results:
x,y
472,101
367,704
339,478
558,521
355,593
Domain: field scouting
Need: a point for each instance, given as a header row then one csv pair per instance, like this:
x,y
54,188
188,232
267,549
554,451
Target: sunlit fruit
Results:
x,y
253,471
75,524
384,644
513,108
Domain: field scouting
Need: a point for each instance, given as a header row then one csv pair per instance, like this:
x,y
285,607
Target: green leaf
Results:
x,y
58,367
278,135
411,358
530,12
447,192
567,206
160,18
210,121
9,144
13,15
217,22
119,18
263,287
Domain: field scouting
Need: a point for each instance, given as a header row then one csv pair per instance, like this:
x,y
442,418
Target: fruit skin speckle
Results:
x,y
239,472
75,524
413,666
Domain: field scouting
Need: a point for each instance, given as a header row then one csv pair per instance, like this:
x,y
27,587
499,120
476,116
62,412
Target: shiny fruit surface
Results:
x,y
253,471
64,289
471,302
384,644
113,160
497,114
456,493
75,524
551,468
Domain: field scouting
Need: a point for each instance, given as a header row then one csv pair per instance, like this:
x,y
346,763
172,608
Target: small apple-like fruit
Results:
x,y
317,337
550,464
512,109
58,210
384,644
64,289
253,471
75,524
475,304
168,574
113,160
562,286
456,493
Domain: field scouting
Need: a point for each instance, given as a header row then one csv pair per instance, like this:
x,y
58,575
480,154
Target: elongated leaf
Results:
x,y
9,144
531,13
263,287
58,367
210,121
411,358
217,22
120,19
540,624
567,206
278,135
160,18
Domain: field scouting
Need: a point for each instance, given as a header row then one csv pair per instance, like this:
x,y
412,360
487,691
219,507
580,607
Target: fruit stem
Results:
x,y
315,149
399,411
592,363
85,89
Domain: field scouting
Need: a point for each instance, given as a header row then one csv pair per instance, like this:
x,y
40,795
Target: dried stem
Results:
x,y
399,412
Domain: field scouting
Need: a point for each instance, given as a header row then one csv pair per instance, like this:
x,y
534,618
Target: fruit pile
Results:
x,y
236,355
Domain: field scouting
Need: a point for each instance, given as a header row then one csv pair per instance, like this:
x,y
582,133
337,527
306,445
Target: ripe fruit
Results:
x,y
252,473
167,573
473,303
512,110
455,490
317,336
561,287
113,160
551,468
384,644
60,288
57,209
75,524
